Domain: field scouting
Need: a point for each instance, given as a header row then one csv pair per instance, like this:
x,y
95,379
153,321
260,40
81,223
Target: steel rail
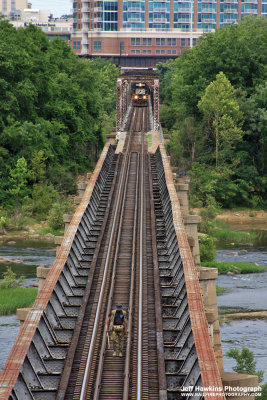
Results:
x,y
131,300
96,322
140,310
92,342
111,290
65,376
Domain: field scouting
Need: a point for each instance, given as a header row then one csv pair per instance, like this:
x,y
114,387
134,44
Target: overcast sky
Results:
x,y
57,7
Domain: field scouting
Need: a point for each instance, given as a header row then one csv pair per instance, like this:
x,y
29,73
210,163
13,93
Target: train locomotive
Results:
x,y
140,95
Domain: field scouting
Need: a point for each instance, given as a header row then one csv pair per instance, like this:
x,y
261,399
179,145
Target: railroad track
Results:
x,y
122,271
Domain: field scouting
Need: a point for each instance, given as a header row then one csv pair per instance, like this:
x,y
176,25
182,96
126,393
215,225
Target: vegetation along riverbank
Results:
x,y
12,295
53,122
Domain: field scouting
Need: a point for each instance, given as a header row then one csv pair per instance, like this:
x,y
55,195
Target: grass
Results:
x,y
226,235
234,267
223,233
149,140
221,290
43,231
11,299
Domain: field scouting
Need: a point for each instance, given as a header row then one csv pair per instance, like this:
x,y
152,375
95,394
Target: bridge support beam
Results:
x,y
182,193
42,273
207,280
243,381
190,224
22,314
67,220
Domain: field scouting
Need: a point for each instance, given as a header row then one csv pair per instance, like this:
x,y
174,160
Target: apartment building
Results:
x,y
151,27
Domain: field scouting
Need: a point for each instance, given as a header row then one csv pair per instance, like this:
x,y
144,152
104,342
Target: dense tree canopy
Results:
x,y
54,112
215,100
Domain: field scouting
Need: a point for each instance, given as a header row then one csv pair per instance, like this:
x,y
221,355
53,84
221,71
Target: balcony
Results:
x,y
251,1
98,19
186,10
85,41
230,11
207,11
250,11
230,21
98,9
134,20
161,20
85,9
183,21
208,21
231,1
85,20
133,9
160,10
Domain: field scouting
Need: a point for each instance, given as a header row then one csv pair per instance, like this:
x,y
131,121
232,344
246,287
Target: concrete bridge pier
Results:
x,y
207,280
190,223
41,273
182,190
67,219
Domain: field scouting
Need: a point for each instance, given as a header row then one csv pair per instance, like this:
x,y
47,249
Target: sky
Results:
x,y
57,7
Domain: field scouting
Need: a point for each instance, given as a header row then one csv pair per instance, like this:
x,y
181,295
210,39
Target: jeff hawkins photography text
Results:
x,y
228,391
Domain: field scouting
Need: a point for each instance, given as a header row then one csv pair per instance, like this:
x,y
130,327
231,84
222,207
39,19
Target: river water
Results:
x,y
247,292
33,254
250,295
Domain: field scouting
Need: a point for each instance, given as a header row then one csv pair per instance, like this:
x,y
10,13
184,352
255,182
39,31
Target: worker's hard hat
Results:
x,y
118,306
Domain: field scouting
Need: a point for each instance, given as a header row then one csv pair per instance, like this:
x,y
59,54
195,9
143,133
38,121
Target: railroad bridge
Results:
x,y
125,243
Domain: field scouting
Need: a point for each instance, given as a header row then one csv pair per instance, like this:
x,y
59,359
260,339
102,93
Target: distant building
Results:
x,y
13,8
151,28
52,27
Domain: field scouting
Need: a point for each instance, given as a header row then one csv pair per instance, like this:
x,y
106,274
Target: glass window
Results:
x,y
97,45
147,42
135,41
147,51
171,51
78,45
171,42
74,45
121,46
160,51
135,51
160,42
182,42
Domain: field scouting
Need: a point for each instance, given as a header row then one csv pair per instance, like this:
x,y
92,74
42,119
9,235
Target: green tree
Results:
x,y
54,111
245,362
221,114
18,179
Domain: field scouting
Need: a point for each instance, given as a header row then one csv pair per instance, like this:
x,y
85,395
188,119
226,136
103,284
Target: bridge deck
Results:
x,y
126,243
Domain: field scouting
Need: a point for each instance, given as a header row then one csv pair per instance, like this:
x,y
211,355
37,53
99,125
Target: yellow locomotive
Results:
x,y
140,95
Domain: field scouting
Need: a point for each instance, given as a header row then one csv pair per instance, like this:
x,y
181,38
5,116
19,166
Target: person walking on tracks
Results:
x,y
117,324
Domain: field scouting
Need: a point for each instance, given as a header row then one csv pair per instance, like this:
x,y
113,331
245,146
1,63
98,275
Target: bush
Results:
x,y
263,394
10,280
207,248
208,215
43,196
55,217
245,362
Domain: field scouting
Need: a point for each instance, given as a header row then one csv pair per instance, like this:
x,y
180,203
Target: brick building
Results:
x,y
151,28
